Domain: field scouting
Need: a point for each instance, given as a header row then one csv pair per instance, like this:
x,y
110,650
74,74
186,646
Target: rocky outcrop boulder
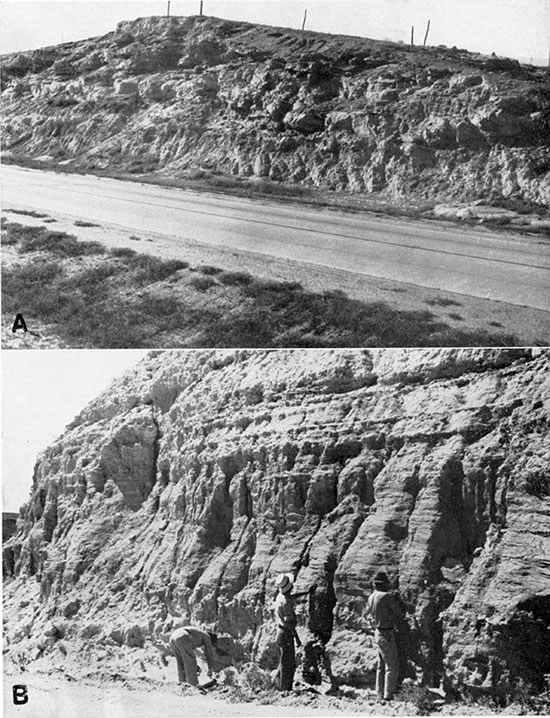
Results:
x,y
181,492
304,121
127,88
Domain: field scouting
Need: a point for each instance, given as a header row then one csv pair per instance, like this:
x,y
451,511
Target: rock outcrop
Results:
x,y
9,521
188,95
180,493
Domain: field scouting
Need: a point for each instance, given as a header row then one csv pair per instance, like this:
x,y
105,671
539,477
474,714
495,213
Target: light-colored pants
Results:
x,y
185,659
388,663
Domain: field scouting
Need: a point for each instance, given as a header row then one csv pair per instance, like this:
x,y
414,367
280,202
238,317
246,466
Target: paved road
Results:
x,y
476,263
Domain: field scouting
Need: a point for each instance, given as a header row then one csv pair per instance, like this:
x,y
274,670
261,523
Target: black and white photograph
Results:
x,y
275,358
280,533
370,173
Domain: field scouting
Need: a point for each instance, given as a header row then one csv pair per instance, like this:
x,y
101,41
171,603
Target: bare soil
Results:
x,y
60,696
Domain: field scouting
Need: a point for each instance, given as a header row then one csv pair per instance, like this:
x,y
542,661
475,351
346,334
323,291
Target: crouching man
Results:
x,y
184,642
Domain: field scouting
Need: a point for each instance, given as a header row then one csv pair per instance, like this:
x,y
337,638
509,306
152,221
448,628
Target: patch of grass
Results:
x,y
420,697
14,232
28,213
7,238
33,239
153,269
209,270
41,273
123,252
119,300
290,317
233,279
59,243
442,302
85,223
203,284
258,287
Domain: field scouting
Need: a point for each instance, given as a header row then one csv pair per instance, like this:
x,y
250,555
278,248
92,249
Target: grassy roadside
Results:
x,y
204,180
103,298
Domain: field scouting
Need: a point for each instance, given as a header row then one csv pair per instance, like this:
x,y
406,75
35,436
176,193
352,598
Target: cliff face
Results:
x,y
188,95
182,491
9,521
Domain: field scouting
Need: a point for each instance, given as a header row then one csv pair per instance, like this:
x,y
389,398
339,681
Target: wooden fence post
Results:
x,y
427,31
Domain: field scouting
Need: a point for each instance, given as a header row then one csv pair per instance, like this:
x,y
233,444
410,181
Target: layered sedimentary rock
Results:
x,y
191,95
181,492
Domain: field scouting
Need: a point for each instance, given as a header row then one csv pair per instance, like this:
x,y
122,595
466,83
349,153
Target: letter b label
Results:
x,y
20,696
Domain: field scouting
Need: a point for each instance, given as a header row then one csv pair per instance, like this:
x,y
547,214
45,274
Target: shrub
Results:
x,y
84,223
283,291
152,269
203,284
64,68
419,696
235,278
7,238
123,252
28,213
208,269
35,239
443,302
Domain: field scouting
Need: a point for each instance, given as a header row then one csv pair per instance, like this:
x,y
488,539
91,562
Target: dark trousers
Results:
x,y
287,660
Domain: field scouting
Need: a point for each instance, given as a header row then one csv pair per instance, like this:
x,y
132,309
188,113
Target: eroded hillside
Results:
x,y
181,492
184,96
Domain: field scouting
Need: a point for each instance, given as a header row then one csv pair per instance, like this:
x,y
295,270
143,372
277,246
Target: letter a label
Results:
x,y
19,323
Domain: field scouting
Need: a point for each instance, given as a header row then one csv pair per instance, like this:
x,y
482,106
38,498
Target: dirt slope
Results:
x,y
199,95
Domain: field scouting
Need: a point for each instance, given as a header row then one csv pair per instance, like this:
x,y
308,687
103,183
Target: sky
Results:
x,y
42,392
513,28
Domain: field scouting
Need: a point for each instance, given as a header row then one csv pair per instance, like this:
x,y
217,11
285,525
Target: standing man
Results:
x,y
184,641
285,618
385,612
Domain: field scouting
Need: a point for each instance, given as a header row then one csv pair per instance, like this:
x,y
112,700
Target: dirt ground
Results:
x,y
530,326
52,696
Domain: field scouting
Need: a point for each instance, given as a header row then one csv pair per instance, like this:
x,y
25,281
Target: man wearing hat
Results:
x,y
285,618
385,612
